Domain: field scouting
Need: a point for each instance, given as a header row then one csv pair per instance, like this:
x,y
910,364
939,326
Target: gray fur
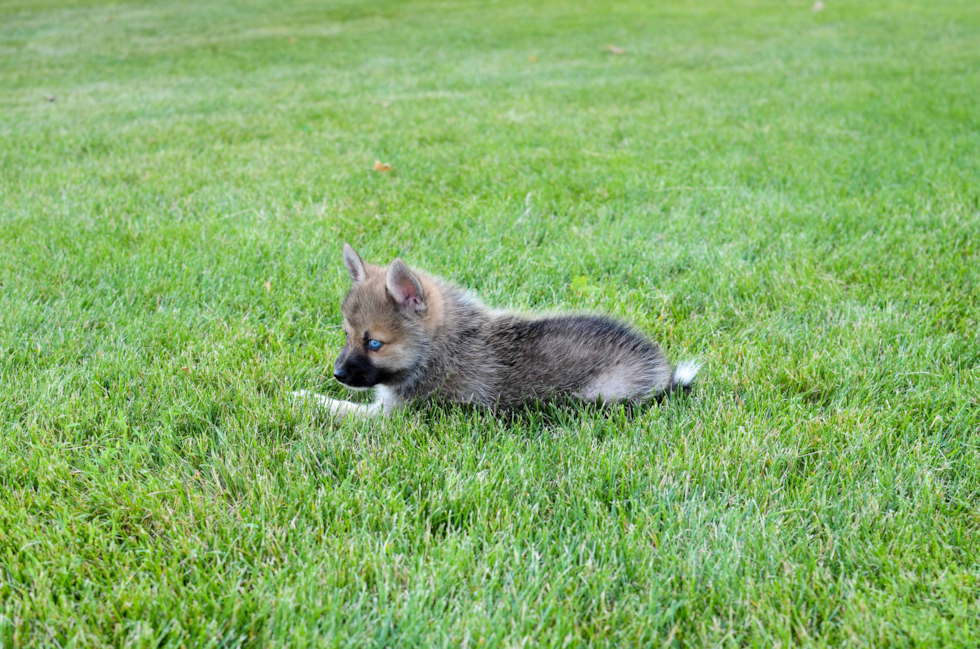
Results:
x,y
441,343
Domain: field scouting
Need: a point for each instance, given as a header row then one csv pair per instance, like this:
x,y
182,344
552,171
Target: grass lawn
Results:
x,y
790,196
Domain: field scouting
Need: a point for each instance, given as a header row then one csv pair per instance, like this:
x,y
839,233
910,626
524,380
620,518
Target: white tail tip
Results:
x,y
685,373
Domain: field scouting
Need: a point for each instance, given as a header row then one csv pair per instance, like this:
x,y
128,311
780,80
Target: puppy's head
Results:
x,y
384,313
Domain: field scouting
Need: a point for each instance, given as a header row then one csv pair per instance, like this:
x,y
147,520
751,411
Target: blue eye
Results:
x,y
374,345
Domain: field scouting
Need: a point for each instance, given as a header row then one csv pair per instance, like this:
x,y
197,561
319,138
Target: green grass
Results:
x,y
790,196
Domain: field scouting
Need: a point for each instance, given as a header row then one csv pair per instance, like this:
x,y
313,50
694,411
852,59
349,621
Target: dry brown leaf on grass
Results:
x,y
186,369
615,50
268,285
381,166
292,40
532,59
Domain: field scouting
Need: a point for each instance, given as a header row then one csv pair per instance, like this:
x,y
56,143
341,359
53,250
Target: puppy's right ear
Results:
x,y
355,265
405,288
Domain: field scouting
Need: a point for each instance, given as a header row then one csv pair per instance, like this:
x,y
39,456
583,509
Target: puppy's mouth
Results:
x,y
355,383
356,378
356,371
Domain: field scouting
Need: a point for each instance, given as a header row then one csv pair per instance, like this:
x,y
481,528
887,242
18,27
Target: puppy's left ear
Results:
x,y
356,267
404,287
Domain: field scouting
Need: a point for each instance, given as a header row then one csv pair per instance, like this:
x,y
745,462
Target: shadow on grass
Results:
x,y
541,418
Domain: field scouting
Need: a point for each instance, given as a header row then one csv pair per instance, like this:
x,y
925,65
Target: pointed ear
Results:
x,y
355,265
404,286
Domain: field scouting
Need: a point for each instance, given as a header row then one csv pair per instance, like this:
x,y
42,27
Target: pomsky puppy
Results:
x,y
412,336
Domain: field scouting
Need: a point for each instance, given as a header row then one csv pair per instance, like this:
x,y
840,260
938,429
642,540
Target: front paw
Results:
x,y
318,401
305,397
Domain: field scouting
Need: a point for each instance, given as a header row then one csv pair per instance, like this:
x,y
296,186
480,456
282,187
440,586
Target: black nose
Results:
x,y
339,374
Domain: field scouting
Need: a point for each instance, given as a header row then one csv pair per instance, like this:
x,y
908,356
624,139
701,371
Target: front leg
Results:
x,y
385,403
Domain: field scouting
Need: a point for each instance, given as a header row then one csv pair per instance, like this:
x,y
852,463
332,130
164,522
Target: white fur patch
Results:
x,y
610,387
387,400
686,372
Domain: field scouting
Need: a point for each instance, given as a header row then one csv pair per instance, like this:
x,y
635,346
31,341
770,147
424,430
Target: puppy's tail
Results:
x,y
685,373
